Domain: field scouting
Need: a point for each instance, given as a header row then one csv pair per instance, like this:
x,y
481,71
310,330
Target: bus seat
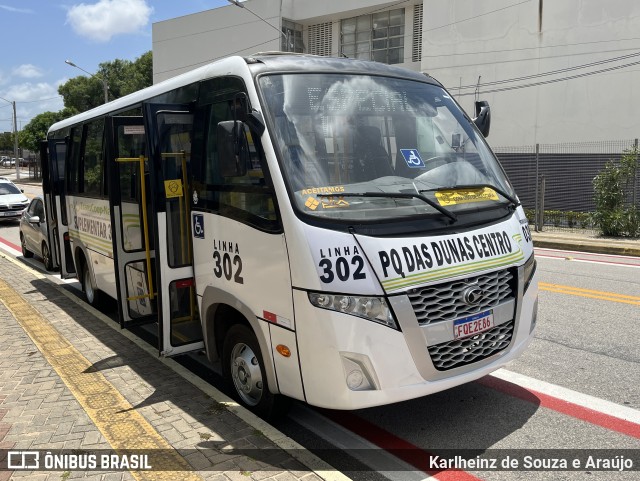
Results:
x,y
372,159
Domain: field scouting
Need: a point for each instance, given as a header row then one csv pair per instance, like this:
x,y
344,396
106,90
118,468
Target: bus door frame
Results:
x,y
182,276
53,184
142,295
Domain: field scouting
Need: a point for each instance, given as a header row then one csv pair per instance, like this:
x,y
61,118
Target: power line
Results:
x,y
552,72
545,82
477,16
454,54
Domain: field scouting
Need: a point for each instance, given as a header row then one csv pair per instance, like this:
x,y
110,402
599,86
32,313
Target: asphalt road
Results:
x,y
576,389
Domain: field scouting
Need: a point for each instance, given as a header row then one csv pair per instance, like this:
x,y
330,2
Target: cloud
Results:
x,y
15,10
103,20
31,99
27,71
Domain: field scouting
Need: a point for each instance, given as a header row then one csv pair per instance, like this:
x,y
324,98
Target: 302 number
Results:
x,y
224,265
342,269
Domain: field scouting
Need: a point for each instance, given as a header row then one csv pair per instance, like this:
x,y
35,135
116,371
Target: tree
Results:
x,y
123,77
6,141
615,215
36,130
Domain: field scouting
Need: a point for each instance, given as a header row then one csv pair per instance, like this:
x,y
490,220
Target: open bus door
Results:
x,y
52,158
169,135
131,231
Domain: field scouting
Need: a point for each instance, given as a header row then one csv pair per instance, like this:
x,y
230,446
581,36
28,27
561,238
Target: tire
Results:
x,y
91,294
23,244
46,257
243,368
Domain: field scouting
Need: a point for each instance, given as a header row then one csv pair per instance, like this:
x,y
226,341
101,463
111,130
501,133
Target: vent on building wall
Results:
x,y
320,39
416,53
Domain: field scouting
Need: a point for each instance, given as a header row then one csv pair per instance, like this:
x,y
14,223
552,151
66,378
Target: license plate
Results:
x,y
8,213
472,325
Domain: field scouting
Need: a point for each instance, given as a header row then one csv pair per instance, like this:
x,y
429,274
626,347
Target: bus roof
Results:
x,y
255,64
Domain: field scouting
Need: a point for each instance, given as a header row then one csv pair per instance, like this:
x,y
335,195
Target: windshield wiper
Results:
x,y
397,195
510,198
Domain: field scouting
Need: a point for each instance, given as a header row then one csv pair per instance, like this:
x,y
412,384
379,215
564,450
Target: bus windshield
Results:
x,y
371,148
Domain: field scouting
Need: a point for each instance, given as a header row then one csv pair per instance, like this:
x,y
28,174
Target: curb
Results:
x,y
587,247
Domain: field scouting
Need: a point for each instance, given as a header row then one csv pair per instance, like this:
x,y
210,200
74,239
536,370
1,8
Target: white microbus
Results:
x,y
330,230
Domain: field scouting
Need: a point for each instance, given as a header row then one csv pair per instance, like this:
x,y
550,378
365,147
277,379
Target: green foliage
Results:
x,y
613,215
123,77
36,130
6,141
531,215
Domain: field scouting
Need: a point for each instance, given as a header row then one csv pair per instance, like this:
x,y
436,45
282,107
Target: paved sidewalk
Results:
x,y
70,380
577,241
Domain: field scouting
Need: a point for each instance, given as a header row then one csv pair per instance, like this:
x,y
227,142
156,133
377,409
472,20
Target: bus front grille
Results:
x,y
443,302
460,352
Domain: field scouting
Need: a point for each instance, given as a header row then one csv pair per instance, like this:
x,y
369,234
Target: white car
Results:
x,y
33,233
12,200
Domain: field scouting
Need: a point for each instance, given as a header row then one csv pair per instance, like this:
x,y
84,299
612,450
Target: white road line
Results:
x,y
575,397
595,254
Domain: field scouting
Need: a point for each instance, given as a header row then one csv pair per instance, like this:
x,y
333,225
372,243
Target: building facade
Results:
x,y
552,71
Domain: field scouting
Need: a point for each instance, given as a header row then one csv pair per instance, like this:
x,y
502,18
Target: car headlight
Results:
x,y
529,270
374,309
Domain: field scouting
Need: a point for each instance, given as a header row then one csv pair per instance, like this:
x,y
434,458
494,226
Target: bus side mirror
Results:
x,y
483,117
233,148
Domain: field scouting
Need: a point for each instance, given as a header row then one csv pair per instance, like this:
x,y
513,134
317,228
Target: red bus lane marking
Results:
x,y
10,244
404,450
592,416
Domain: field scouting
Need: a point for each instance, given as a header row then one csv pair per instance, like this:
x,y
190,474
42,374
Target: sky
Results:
x,y
39,35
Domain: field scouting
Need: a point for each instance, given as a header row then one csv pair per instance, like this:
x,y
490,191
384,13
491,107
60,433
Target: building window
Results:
x,y
319,39
292,39
378,37
416,53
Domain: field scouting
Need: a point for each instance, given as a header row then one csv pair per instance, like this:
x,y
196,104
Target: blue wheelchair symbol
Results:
x,y
198,226
412,158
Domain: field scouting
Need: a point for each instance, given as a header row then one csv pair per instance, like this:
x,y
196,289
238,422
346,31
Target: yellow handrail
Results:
x,y
143,194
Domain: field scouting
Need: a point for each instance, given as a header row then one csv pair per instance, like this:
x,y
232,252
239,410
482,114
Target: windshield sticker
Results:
x,y
412,158
333,202
429,261
331,189
454,196
330,202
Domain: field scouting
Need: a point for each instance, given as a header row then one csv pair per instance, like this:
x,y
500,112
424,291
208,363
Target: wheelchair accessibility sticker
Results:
x,y
412,158
198,226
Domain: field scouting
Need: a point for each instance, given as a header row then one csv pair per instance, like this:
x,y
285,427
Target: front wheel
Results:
x,y
91,293
23,244
243,366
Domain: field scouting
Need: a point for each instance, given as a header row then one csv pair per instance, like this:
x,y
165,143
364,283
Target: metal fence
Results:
x,y
555,181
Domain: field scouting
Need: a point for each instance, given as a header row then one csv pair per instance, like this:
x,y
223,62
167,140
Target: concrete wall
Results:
x,y
184,43
519,41
462,41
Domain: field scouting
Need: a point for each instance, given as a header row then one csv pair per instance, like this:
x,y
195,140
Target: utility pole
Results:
x,y
15,136
15,140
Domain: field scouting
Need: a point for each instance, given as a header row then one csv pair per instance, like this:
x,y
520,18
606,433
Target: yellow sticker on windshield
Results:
x,y
464,196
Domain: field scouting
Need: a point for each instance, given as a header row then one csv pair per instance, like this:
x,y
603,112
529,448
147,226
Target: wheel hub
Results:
x,y
246,374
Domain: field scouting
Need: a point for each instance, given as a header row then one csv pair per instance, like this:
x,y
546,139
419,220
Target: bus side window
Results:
x,y
73,161
246,198
92,165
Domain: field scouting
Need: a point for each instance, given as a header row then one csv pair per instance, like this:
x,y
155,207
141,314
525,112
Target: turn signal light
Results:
x,y
283,350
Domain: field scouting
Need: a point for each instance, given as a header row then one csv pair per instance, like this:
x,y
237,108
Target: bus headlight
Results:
x,y
529,270
372,308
